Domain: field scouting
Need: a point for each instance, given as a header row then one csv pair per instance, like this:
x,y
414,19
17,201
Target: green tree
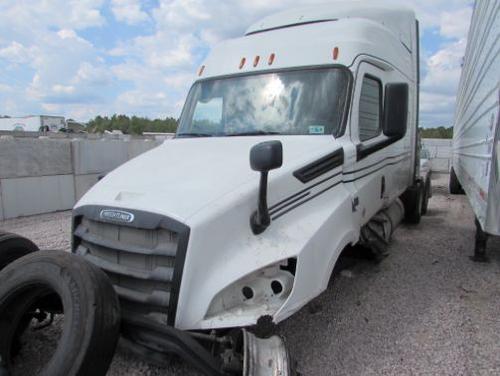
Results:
x,y
131,125
439,132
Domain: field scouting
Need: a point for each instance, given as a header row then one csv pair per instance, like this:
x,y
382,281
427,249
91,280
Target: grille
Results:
x,y
144,264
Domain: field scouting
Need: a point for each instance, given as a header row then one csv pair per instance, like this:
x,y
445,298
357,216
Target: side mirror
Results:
x,y
264,157
396,110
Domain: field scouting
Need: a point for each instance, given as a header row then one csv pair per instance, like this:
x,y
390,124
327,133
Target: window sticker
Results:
x,y
316,129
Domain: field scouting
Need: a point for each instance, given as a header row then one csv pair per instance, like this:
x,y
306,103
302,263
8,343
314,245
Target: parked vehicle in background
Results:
x,y
476,136
40,123
425,175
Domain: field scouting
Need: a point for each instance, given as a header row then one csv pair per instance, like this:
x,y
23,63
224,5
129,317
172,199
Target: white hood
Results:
x,y
182,176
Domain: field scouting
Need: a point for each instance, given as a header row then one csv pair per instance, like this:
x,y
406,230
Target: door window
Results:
x,y
370,108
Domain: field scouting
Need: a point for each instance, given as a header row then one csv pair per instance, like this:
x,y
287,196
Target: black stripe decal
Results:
x,y
306,200
376,163
274,211
278,211
378,169
320,166
306,190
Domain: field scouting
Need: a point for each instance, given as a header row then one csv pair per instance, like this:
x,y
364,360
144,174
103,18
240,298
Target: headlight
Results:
x,y
263,291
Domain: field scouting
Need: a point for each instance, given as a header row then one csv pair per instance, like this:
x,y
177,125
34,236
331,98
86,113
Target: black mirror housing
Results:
x,y
396,110
266,156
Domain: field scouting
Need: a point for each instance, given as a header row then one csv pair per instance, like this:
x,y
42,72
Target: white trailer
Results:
x,y
476,133
296,141
44,123
20,124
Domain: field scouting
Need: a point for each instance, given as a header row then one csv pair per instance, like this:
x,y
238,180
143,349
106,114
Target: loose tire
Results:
x,y
454,184
91,310
412,200
14,246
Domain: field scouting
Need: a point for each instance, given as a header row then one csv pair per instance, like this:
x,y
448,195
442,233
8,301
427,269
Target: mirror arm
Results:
x,y
260,219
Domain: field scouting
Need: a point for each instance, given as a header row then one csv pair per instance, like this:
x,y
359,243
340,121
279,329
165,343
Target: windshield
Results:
x,y
305,102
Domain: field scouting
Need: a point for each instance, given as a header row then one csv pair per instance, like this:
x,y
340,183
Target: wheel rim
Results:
x,y
262,357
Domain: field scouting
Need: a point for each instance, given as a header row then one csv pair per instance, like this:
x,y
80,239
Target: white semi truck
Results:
x,y
476,132
296,141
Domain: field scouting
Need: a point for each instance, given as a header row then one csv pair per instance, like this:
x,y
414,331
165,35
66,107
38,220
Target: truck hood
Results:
x,y
182,176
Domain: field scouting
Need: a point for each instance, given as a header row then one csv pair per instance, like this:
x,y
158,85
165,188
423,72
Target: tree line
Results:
x,y
131,125
138,125
439,132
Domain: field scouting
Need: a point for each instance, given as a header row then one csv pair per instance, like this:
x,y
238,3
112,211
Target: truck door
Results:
x,y
367,172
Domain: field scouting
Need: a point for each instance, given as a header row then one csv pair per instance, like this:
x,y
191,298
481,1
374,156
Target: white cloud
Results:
x,y
5,88
92,74
24,17
151,72
440,84
63,89
16,53
128,11
444,68
455,24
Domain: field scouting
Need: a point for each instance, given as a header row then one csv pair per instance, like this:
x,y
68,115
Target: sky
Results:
x,y
82,58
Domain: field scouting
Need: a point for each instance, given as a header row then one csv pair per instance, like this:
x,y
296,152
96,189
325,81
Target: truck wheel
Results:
x,y
426,196
454,184
14,246
412,200
82,292
257,353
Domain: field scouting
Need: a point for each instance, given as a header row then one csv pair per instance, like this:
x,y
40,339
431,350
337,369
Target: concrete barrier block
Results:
x,y
441,165
137,147
93,157
83,183
443,152
35,195
20,157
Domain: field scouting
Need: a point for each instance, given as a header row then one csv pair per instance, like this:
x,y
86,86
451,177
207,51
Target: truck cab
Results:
x,y
292,139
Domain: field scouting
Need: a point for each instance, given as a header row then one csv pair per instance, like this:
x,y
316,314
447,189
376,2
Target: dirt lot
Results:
x,y
424,310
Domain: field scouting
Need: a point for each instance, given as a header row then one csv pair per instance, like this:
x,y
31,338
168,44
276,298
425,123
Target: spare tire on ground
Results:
x,y
67,283
13,246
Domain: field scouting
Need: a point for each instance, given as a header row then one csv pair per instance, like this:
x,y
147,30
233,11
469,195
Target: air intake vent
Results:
x,y
320,167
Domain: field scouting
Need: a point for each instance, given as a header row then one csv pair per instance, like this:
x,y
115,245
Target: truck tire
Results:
x,y
88,301
412,201
14,246
454,184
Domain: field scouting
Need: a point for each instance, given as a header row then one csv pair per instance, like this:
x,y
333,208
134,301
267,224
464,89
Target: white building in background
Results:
x,y
33,123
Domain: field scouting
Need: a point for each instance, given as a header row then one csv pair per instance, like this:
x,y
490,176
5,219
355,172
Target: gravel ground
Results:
x,y
424,310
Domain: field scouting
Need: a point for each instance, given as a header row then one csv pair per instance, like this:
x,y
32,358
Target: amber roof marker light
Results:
x,y
256,60
335,53
242,62
271,59
200,71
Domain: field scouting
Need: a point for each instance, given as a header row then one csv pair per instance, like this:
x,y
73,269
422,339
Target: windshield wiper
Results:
x,y
194,135
253,133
